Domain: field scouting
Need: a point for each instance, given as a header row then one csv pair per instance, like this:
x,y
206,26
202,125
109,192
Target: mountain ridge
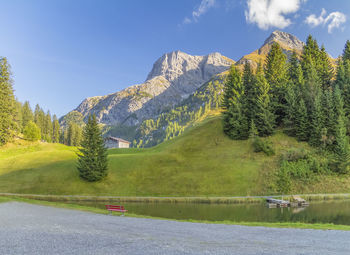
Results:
x,y
174,76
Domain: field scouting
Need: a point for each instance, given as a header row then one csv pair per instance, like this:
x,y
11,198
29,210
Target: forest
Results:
x,y
306,96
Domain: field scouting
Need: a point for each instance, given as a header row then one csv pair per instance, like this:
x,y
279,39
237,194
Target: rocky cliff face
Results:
x,y
288,43
174,76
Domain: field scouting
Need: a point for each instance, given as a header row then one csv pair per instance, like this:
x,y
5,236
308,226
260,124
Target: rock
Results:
x,y
174,77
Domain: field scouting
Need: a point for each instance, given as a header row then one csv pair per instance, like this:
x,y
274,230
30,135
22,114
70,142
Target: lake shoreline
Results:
x,y
169,199
297,225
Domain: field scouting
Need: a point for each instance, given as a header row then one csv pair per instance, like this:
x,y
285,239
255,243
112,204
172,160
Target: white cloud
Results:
x,y
204,6
271,13
334,20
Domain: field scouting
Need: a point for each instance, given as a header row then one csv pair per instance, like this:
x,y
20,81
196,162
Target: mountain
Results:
x,y
174,77
287,42
179,91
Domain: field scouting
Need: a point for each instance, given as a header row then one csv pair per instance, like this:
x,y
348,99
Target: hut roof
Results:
x,y
116,139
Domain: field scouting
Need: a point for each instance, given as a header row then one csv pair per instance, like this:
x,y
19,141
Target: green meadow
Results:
x,y
201,162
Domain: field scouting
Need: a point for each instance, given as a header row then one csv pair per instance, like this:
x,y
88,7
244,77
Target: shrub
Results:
x,y
265,146
295,154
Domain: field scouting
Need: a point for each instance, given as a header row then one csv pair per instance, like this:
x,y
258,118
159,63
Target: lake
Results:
x,y
336,212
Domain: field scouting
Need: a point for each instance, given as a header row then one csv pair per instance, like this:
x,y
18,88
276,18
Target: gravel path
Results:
x,y
34,229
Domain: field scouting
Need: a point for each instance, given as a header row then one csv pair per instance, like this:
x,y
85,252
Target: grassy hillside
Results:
x,y
201,162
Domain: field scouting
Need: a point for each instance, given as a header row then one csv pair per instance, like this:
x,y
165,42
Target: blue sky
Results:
x,y
66,50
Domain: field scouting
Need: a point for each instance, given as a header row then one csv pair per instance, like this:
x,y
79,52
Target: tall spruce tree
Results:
x,y
291,110
264,117
27,114
235,121
346,52
250,93
295,71
330,117
55,129
276,73
325,69
317,125
343,77
48,129
92,156
302,127
342,150
7,103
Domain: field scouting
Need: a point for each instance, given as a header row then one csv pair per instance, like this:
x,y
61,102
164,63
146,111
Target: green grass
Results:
x,y
201,162
300,225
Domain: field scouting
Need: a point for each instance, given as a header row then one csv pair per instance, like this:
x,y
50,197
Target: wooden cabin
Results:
x,y
115,142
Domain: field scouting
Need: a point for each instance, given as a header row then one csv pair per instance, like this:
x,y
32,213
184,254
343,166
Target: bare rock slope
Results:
x,y
174,76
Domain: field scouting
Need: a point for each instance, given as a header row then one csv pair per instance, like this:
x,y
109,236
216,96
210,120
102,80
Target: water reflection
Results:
x,y
337,212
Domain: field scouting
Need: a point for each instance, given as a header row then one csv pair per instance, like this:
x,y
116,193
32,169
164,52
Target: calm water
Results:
x,y
337,212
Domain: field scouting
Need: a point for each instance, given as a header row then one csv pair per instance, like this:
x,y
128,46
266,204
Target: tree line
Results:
x,y
19,120
305,95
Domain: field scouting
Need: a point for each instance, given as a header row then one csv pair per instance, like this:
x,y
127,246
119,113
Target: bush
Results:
x,y
265,146
295,154
31,132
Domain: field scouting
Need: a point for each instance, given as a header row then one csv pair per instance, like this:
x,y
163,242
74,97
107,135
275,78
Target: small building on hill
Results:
x,y
115,142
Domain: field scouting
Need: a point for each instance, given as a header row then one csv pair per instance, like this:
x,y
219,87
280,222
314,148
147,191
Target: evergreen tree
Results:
x,y
27,114
235,122
7,103
302,129
276,73
325,71
263,117
55,129
317,126
39,119
295,71
18,116
250,93
48,129
74,134
346,52
92,157
291,110
342,150
330,118
31,131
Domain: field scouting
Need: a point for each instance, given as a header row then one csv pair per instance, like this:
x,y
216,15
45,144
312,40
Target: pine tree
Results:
x,y
325,71
92,157
250,93
346,52
27,114
39,119
264,117
342,150
31,131
74,134
330,118
55,129
276,73
317,118
291,110
343,82
235,122
7,103
295,71
302,129
18,117
48,129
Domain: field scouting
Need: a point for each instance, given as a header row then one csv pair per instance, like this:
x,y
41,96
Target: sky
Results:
x,y
62,51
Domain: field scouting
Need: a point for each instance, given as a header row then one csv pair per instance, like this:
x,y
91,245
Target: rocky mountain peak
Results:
x,y
174,64
286,39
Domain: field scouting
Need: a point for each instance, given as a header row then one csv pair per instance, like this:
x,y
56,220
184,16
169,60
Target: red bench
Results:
x,y
116,208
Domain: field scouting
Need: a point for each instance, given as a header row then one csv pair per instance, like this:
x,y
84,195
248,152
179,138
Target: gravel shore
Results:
x,y
35,229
